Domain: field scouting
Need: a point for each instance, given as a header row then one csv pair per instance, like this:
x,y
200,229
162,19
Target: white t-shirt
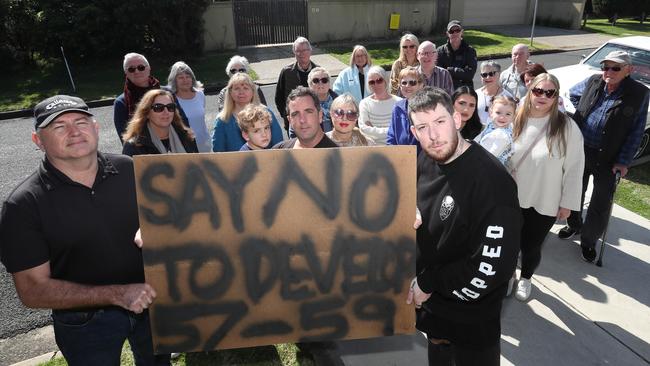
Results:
x,y
378,113
195,111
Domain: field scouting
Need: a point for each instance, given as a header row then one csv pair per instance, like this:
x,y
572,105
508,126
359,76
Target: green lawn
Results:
x,y
104,79
633,192
624,27
486,45
278,355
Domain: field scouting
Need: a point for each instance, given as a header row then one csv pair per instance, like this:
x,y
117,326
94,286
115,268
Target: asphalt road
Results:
x,y
19,157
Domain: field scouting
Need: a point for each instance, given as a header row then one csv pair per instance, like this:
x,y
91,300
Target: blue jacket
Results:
x,y
399,131
227,135
348,82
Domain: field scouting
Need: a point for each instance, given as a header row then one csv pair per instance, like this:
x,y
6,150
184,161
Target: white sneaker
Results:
x,y
511,284
523,289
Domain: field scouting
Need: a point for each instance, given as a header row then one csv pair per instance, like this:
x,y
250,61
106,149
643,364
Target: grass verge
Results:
x,y
633,191
286,354
486,45
623,28
103,79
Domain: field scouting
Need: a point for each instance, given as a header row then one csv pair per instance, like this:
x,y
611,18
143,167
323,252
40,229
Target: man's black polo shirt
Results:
x,y
85,233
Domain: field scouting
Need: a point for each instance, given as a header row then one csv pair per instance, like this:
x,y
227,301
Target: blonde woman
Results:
x,y
240,92
375,110
547,165
157,128
345,113
353,78
408,49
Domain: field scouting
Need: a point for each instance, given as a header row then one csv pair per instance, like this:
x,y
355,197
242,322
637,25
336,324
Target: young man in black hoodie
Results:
x,y
467,237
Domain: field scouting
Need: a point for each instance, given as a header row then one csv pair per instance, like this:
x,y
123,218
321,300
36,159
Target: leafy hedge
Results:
x,y
93,29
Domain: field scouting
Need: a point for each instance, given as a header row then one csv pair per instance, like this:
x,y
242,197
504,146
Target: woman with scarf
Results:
x,y
157,128
138,82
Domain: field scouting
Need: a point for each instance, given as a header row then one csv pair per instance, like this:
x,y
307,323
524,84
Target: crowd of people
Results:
x,y
497,166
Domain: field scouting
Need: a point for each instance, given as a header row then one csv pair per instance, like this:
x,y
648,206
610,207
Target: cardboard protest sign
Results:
x,y
266,247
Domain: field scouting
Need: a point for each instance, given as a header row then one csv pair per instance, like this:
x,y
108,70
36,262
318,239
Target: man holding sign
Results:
x,y
468,237
66,236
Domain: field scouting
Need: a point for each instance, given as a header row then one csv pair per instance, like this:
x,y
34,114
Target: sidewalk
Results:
x,y
578,314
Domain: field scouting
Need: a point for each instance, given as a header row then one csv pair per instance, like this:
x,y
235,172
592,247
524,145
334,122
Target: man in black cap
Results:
x,y
611,111
67,237
457,56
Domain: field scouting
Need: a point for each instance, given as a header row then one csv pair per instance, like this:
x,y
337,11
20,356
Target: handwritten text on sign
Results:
x,y
276,246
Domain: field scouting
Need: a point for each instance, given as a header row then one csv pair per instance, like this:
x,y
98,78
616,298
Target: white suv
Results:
x,y
637,47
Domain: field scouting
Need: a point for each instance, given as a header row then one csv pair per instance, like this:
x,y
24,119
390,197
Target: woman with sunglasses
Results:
x,y
399,131
490,71
530,72
465,99
240,92
156,127
352,79
375,110
345,113
188,95
408,49
138,81
235,65
547,165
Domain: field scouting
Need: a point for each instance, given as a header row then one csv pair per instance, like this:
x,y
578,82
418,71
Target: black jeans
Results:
x,y
455,355
96,337
533,233
598,212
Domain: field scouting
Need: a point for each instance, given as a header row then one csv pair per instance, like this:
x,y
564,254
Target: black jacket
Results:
x,y
619,119
142,145
288,80
461,63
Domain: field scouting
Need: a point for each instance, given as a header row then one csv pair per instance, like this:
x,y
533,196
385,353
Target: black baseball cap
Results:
x,y
47,110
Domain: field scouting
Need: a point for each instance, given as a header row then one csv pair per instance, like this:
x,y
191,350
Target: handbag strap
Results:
x,y
541,133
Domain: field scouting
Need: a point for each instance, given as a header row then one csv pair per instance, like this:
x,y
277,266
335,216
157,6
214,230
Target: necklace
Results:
x,y
485,99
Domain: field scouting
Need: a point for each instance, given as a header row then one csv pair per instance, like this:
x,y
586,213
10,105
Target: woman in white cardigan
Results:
x,y
376,110
547,165
353,78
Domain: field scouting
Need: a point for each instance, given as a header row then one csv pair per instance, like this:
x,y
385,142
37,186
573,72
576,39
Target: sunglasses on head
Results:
x,y
377,81
411,46
538,92
133,68
409,82
613,68
350,115
454,30
234,71
320,80
159,107
488,74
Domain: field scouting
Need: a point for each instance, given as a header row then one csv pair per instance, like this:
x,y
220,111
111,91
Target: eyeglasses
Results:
x,y
454,30
538,92
408,82
350,115
613,68
378,82
411,46
302,51
159,107
426,53
234,71
488,74
320,80
133,68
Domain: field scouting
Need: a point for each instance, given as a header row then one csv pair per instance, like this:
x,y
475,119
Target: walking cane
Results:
x,y
599,262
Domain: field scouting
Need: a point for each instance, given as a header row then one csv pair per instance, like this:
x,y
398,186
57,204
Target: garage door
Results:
x,y
494,12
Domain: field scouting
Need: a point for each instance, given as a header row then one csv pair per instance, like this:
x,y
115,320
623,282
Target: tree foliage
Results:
x,y
93,29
